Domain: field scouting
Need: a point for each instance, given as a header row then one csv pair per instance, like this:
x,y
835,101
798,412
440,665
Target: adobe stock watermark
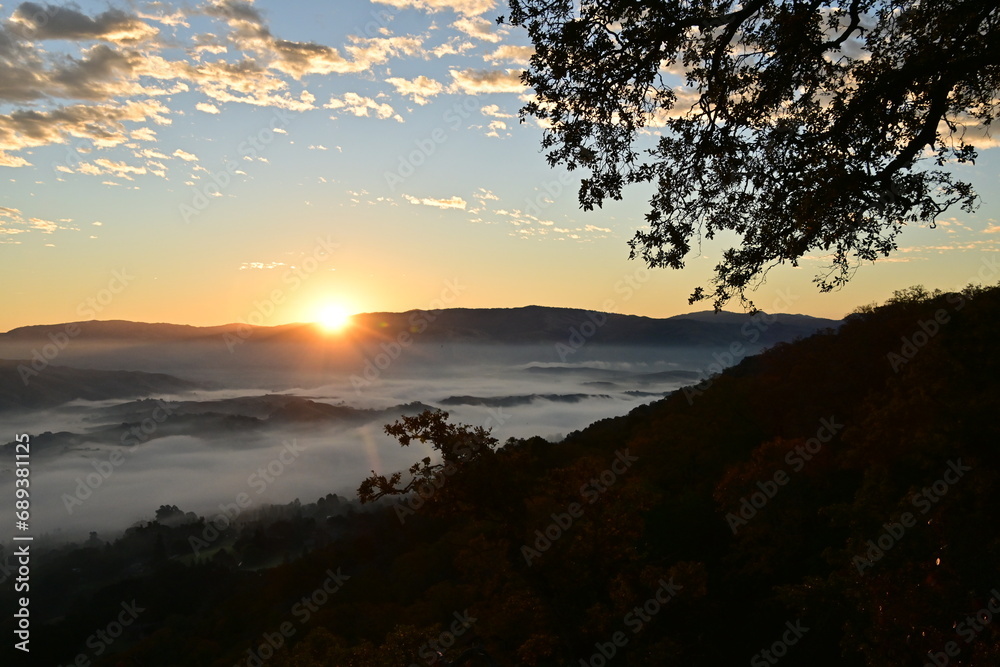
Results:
x,y
103,638
433,650
303,611
293,278
635,620
590,491
926,500
968,630
426,146
103,468
259,480
248,149
751,332
423,492
580,334
796,458
779,648
928,329
391,350
89,308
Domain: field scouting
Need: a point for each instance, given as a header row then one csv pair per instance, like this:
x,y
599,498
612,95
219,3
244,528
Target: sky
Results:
x,y
228,161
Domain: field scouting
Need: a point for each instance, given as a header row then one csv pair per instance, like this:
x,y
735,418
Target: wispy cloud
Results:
x,y
465,7
450,202
477,27
184,155
419,89
476,81
513,53
361,106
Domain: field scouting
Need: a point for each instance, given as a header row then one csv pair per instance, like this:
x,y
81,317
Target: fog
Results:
x,y
93,476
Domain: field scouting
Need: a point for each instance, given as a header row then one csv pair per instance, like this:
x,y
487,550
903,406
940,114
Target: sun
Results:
x,y
333,317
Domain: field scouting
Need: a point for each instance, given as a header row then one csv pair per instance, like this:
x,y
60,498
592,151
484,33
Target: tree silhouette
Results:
x,y
801,126
459,445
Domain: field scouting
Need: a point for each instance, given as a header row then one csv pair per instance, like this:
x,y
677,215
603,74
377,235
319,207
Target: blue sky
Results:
x,y
218,155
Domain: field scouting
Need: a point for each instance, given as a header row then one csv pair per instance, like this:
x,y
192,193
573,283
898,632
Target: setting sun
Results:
x,y
333,317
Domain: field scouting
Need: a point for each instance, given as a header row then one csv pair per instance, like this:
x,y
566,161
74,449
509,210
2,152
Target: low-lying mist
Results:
x,y
105,465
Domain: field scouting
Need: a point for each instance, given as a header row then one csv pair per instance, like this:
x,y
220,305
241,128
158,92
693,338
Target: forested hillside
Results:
x,y
832,501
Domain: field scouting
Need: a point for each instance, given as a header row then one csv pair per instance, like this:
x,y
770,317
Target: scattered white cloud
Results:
x,y
484,195
14,222
513,53
184,155
207,107
474,81
418,89
454,46
363,107
478,27
100,124
493,111
450,202
495,127
464,7
247,266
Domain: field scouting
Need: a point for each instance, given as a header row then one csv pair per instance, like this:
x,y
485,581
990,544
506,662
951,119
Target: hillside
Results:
x,y
24,388
833,500
530,324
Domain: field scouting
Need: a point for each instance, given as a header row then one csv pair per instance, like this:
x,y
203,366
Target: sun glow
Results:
x,y
333,317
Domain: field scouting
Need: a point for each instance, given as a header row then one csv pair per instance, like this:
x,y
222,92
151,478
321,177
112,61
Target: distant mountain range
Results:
x,y
38,374
526,325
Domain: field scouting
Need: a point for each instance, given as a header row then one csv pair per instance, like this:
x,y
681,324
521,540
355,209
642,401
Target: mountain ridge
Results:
x,y
525,324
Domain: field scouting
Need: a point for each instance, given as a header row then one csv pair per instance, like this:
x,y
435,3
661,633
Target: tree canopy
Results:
x,y
821,126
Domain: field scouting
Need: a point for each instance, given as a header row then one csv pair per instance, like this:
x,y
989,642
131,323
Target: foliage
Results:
x,y
804,555
800,126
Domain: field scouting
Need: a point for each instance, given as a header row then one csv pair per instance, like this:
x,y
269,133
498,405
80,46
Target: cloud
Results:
x,y
249,33
454,46
418,89
511,53
493,111
474,82
245,81
483,195
143,134
451,202
113,65
260,265
103,166
184,155
971,131
495,126
13,221
464,7
300,58
992,229
100,73
33,21
102,124
7,160
363,106
478,27
173,18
